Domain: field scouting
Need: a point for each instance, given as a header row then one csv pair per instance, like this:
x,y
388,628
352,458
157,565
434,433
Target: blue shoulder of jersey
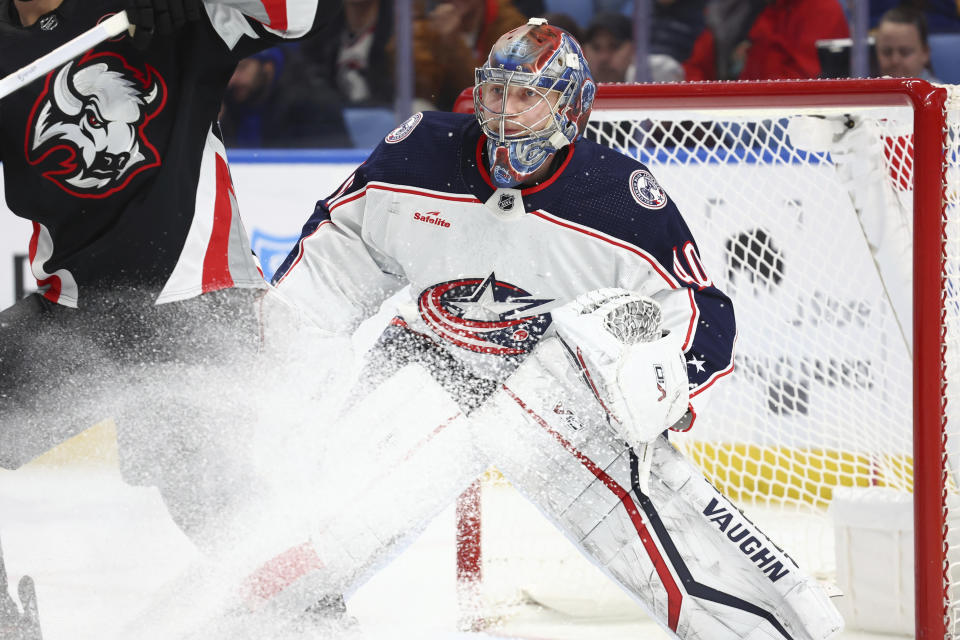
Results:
x,y
616,195
424,151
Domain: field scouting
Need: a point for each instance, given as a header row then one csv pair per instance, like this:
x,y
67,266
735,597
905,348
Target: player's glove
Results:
x,y
636,369
14,624
160,18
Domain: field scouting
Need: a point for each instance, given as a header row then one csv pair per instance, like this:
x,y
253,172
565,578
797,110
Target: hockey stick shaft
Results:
x,y
109,28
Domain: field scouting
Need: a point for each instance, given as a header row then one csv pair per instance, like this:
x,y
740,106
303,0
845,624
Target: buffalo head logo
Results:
x,y
86,130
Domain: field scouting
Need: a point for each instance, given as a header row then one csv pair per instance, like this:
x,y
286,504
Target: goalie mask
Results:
x,y
532,97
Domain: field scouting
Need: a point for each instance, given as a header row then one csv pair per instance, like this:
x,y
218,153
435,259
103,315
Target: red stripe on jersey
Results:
x,y
53,282
276,14
719,374
674,595
216,260
429,194
34,239
300,251
53,293
653,263
712,379
346,185
694,315
347,199
694,309
549,181
414,192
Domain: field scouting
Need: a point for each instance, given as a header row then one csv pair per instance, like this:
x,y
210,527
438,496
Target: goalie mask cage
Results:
x,y
828,211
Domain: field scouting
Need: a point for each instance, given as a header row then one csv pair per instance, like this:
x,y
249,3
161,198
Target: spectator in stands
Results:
x,y
721,48
451,39
942,16
609,48
674,25
271,102
476,24
351,55
356,56
901,43
783,38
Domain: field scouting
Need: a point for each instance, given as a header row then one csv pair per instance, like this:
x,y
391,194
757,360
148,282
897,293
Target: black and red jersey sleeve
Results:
x,y
247,26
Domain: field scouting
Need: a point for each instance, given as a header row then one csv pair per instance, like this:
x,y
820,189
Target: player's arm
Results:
x,y
335,275
332,280
695,312
699,313
273,21
660,338
245,26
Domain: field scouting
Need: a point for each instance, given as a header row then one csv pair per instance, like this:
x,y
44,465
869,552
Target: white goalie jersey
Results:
x,y
485,266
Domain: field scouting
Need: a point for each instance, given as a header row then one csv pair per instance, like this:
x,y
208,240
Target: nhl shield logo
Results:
x,y
48,22
646,190
506,201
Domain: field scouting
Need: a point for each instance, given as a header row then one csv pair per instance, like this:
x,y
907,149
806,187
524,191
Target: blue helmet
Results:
x,y
548,65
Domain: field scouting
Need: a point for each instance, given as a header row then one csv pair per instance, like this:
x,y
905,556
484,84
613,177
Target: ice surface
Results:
x,y
98,549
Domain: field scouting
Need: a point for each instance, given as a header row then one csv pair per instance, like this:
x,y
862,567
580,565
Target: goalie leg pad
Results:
x,y
698,565
394,462
390,465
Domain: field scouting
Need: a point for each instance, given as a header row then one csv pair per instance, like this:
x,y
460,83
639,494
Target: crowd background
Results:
x,y
336,88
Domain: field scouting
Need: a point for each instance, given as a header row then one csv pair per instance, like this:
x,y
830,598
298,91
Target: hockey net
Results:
x,y
828,211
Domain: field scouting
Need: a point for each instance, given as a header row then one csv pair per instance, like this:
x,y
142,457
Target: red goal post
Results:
x,y
929,161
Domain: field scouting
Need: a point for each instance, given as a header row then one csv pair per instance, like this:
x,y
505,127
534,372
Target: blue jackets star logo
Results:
x,y
485,315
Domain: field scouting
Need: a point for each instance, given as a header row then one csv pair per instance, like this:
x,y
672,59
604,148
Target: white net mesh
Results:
x,y
804,217
821,394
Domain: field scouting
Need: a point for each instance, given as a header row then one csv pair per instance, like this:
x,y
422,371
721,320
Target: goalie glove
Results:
x,y
636,370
